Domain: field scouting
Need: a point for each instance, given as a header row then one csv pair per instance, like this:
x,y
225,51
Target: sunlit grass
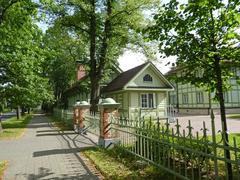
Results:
x,y
3,165
117,164
13,128
233,116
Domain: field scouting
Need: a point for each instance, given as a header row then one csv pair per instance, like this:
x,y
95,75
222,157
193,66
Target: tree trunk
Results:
x,y
106,36
1,129
18,112
95,93
97,65
23,109
93,63
223,114
97,69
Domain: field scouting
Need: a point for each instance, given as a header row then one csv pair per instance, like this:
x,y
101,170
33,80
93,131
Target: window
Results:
x,y
173,99
184,98
147,100
199,97
147,78
226,97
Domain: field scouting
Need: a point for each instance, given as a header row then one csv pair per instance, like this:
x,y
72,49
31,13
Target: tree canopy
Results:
x,y
197,33
105,27
21,55
204,35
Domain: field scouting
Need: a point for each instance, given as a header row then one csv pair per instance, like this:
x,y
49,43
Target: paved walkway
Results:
x,y
45,153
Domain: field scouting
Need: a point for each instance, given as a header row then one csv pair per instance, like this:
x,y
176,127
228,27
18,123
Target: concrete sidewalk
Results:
x,y
45,153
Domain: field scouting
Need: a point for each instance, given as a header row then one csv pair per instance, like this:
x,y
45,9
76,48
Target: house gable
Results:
x,y
149,78
133,79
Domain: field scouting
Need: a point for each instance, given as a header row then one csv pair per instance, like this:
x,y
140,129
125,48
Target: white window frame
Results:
x,y
150,80
185,98
173,99
199,97
147,103
226,97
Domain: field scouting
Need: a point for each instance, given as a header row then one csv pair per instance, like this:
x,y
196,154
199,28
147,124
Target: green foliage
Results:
x,y
203,35
14,128
101,29
63,50
163,144
116,163
21,56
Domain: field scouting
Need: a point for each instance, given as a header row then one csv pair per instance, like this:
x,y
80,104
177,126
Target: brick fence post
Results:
x,y
108,109
80,109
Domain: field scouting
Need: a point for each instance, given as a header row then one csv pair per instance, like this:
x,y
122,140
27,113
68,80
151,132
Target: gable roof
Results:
x,y
121,81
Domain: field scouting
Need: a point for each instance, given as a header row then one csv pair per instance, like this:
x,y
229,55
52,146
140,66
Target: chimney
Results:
x,y
80,72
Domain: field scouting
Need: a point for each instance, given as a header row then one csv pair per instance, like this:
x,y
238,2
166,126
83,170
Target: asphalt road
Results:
x,y
8,115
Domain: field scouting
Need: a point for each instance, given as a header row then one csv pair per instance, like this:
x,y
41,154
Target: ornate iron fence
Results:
x,y
92,123
65,115
182,153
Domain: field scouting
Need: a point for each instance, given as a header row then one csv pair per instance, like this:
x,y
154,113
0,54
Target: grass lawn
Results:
x,y
117,164
220,153
233,116
3,165
231,136
14,128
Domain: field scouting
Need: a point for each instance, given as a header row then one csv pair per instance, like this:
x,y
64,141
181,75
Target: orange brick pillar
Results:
x,y
75,119
108,108
80,109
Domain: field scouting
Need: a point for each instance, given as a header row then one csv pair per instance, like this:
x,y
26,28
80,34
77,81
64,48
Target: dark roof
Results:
x,y
173,70
122,79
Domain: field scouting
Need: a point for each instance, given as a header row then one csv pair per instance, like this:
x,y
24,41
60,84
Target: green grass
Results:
x,y
14,128
3,165
7,110
59,124
230,137
220,153
233,116
118,164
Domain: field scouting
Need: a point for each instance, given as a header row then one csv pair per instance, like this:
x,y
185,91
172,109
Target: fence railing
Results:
x,y
92,123
181,153
65,115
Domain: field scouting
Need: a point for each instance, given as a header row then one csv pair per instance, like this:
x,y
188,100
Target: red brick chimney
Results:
x,y
80,72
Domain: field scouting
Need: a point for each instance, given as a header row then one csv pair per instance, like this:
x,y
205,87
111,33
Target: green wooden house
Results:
x,y
189,99
141,91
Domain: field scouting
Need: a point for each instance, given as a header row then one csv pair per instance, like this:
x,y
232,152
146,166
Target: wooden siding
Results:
x,y
156,82
232,101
